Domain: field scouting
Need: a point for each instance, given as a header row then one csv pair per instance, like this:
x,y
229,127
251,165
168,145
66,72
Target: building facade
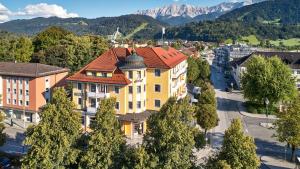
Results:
x,y
26,87
292,59
141,80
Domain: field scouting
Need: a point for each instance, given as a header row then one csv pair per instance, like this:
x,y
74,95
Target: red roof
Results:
x,y
155,57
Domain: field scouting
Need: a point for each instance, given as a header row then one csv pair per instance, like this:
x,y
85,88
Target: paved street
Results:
x,y
229,105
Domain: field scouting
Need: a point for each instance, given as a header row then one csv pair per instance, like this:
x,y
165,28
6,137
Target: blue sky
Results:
x,y
14,9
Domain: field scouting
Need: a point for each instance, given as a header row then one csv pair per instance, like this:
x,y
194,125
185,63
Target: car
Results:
x,y
4,163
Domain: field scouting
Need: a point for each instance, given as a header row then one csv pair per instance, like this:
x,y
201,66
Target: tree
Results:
x,y
268,78
238,150
288,126
52,142
204,69
206,113
2,127
192,70
106,140
137,158
169,139
23,50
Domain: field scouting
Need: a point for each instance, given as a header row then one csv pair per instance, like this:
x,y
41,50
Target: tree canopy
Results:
x,y
288,126
268,78
169,139
52,142
238,150
106,140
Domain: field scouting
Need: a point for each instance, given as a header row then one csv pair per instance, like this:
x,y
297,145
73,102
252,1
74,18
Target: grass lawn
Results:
x,y
252,40
287,42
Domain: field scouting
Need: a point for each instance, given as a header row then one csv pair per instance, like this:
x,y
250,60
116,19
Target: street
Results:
x,y
229,106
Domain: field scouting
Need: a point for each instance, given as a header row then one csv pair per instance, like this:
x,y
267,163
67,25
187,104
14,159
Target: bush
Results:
x,y
199,138
257,108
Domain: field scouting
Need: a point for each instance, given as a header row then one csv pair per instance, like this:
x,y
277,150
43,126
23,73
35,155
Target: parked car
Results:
x,y
4,163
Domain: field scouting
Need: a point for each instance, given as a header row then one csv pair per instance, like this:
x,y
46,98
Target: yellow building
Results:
x,y
141,81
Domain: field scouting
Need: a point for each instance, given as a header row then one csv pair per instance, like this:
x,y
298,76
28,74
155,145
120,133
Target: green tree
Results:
x,y
2,127
169,139
204,69
268,78
23,50
137,158
206,113
238,150
288,126
52,142
192,70
106,140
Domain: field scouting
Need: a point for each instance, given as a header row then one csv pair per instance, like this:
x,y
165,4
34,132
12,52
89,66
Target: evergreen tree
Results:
x,y
169,139
238,150
52,142
288,126
106,140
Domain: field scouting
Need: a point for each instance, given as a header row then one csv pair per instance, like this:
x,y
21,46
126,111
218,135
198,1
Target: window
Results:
x,y
47,89
8,90
130,74
117,105
157,103
139,89
93,88
144,103
104,74
144,87
8,81
93,102
47,80
130,89
138,104
157,72
79,86
20,92
15,81
15,91
15,101
103,88
157,88
139,73
21,82
298,72
21,102
130,105
79,101
8,101
27,82
27,92
144,73
117,89
27,103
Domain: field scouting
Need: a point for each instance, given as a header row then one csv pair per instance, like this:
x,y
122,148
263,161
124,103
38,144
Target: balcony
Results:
x,y
175,75
97,95
91,110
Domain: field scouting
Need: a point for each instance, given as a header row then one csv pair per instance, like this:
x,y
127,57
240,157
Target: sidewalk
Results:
x,y
274,163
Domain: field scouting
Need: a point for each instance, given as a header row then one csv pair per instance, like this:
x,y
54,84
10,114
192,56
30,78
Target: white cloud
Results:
x,y
46,10
4,13
35,10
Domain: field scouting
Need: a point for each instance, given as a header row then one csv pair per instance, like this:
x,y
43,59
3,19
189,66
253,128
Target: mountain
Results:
x,y
180,14
136,26
275,11
274,19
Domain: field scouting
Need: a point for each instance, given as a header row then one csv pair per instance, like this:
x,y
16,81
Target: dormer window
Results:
x,y
89,73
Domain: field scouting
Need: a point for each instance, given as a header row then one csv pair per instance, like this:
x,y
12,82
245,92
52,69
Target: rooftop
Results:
x,y
29,69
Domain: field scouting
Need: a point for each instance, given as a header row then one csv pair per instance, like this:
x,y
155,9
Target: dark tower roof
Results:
x,y
133,61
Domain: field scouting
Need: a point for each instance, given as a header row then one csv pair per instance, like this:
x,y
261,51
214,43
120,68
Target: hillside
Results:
x,y
128,24
275,11
265,20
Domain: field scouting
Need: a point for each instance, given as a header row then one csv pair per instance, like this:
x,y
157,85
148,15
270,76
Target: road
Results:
x,y
227,109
